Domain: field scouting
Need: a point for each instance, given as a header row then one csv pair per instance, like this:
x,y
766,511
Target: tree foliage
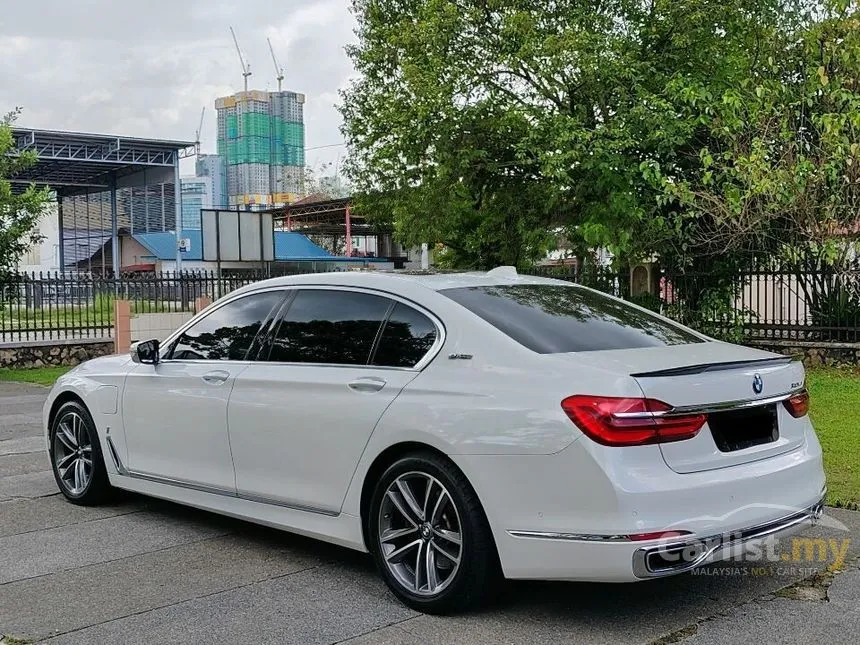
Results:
x,y
695,130
19,212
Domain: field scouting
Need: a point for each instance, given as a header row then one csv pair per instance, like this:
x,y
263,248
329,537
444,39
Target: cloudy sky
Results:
x,y
147,67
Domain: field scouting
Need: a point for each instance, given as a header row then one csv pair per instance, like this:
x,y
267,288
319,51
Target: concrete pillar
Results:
x,y
201,302
348,233
121,326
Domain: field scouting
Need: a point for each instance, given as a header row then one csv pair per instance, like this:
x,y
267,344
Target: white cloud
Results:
x,y
147,69
89,99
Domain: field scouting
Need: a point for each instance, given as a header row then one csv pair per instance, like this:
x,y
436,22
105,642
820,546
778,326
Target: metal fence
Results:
x,y
816,304
54,306
600,277
763,303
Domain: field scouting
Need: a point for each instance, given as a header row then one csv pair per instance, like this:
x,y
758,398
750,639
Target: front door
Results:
x,y
300,422
175,412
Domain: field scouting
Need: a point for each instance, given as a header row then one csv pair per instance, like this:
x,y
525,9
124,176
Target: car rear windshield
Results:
x,y
551,319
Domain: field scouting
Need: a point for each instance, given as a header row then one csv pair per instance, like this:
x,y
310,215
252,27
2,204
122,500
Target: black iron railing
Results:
x,y
773,303
55,306
766,302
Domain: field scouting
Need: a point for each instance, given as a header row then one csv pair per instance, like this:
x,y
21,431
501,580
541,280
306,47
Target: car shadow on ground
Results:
x,y
713,590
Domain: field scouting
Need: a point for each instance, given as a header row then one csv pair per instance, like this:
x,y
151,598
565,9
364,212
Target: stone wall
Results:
x,y
816,354
57,352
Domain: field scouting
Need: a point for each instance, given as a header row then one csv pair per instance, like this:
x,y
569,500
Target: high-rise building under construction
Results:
x,y
261,137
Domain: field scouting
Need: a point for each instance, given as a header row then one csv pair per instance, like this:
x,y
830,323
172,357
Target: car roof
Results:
x,y
394,280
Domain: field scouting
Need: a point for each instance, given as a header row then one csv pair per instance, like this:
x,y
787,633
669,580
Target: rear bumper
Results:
x,y
567,516
676,556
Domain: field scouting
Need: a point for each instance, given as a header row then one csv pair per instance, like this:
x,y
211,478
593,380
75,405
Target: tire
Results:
x,y
73,436
463,576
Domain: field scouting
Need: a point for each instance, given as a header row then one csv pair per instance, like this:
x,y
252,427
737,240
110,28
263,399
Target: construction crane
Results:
x,y
246,67
199,128
278,69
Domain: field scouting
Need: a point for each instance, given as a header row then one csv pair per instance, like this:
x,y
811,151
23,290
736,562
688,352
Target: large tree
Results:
x,y
775,181
19,211
484,124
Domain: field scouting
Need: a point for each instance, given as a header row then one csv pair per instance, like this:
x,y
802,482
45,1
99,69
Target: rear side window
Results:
x,y
407,336
228,332
329,326
551,319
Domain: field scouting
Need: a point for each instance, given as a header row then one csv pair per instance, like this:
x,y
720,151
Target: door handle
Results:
x,y
216,377
367,384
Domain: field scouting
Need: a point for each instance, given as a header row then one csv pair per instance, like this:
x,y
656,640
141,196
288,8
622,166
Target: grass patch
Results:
x,y
96,313
835,412
38,375
11,640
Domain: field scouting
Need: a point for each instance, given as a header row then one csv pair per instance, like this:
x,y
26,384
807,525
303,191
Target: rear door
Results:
x,y
301,416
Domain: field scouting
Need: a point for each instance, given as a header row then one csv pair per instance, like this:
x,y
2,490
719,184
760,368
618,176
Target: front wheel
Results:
x,y
430,537
76,456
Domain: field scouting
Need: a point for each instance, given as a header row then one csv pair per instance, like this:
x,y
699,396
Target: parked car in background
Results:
x,y
461,428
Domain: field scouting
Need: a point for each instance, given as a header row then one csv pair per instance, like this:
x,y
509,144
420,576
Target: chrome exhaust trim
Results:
x,y
668,558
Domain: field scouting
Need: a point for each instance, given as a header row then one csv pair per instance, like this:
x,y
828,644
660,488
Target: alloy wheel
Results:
x,y
73,453
419,533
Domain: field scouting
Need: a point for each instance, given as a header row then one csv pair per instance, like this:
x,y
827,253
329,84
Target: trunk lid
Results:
x,y
711,375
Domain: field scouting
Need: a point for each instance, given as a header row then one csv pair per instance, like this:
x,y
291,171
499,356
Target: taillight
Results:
x,y
798,405
614,421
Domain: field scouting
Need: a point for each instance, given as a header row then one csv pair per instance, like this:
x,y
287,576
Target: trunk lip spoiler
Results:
x,y
710,408
717,367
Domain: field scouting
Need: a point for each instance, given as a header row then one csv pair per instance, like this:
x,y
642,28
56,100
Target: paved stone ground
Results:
x,y
145,571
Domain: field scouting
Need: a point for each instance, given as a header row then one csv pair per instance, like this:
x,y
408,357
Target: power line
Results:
x,y
330,145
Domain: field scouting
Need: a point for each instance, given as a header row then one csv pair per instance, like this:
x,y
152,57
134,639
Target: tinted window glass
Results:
x,y
227,333
554,318
406,337
329,327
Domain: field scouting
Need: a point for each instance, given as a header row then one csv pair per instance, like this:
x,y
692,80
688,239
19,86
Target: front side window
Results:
x,y
228,332
329,326
550,318
407,336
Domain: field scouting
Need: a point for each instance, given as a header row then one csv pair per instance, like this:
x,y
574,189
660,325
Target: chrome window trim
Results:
x,y
441,333
710,407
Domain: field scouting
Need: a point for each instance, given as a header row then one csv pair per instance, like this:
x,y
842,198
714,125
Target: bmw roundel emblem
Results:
x,y
758,384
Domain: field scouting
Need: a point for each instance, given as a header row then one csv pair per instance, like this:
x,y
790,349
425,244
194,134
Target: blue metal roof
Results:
x,y
289,247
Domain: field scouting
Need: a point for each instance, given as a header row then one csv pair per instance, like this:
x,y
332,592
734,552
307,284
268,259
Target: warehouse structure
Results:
x,y
105,185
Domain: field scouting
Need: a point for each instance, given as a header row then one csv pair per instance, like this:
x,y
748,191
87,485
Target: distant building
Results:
x,y
213,166
45,255
196,195
261,137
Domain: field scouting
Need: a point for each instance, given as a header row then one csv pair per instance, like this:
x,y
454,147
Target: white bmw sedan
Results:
x,y
461,428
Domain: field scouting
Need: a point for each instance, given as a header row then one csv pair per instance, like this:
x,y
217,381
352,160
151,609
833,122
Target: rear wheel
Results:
x,y
430,537
76,456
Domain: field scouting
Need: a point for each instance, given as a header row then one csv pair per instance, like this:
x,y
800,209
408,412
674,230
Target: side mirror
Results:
x,y
146,351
